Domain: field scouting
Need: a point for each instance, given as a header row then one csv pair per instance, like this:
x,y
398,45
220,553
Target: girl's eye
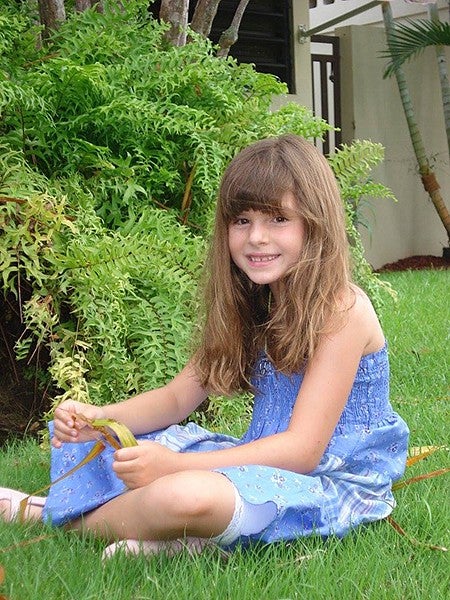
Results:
x,y
280,219
240,221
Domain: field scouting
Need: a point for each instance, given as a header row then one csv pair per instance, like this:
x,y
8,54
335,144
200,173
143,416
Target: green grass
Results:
x,y
373,563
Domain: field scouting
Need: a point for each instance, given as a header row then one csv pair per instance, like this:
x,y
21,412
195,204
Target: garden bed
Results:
x,y
414,263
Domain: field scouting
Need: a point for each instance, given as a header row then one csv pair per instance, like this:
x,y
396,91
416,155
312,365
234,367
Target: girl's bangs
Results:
x,y
261,191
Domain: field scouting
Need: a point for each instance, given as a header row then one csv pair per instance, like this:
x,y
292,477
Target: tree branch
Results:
x,y
230,35
205,11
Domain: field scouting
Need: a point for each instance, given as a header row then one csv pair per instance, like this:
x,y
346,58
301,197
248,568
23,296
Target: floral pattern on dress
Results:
x,y
350,486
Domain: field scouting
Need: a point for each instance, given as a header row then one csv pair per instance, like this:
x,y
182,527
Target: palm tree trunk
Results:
x,y
82,5
443,75
426,172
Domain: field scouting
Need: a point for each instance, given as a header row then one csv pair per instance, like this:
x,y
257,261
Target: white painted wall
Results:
x,y
371,109
326,10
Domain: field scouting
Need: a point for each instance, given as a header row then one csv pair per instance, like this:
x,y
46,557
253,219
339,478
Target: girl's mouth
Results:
x,y
262,258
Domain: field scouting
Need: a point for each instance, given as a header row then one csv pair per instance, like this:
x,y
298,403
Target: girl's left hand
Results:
x,y
138,466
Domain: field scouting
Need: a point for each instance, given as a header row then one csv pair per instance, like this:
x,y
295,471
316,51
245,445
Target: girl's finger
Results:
x,y
127,454
56,443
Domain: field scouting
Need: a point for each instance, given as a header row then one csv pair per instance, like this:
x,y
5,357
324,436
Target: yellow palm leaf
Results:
x,y
400,484
411,539
418,453
125,438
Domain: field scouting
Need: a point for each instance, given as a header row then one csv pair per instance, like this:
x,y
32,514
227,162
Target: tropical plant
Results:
x,y
141,122
427,174
113,308
409,39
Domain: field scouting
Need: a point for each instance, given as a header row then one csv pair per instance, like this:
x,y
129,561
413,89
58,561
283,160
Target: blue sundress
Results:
x,y
350,486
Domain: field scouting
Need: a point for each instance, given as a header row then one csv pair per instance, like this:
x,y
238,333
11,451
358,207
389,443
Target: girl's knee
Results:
x,y
193,494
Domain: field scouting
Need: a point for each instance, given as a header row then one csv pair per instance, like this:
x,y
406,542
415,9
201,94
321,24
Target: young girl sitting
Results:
x,y
283,320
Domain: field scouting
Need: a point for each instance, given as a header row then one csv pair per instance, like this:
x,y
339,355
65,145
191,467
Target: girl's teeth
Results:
x,y
262,258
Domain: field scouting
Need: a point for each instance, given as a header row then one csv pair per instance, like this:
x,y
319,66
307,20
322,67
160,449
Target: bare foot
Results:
x,y
151,548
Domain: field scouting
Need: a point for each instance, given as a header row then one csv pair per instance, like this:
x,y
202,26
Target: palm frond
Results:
x,y
411,38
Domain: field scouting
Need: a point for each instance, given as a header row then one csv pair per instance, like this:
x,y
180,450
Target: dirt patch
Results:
x,y
23,392
414,263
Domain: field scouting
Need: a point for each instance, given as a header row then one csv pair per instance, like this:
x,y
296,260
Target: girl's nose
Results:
x,y
258,233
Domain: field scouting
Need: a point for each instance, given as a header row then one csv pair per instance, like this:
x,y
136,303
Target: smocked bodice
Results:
x,y
367,405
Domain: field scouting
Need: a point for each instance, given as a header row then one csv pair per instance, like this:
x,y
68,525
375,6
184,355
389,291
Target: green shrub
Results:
x,y
114,308
113,144
135,117
352,166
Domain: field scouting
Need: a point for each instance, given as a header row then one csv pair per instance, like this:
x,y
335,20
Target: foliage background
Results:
x,y
113,144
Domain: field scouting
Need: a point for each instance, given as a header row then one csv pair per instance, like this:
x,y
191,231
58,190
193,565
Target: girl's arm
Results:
x,y
149,411
326,386
161,407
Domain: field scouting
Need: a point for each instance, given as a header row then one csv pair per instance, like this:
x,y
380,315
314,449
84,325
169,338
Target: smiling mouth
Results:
x,y
263,259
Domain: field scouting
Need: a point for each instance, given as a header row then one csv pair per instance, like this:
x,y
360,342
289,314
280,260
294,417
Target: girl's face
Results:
x,y
264,245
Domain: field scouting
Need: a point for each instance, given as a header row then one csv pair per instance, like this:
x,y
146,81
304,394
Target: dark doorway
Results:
x,y
326,83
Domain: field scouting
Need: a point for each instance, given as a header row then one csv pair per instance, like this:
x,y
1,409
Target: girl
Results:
x,y
284,321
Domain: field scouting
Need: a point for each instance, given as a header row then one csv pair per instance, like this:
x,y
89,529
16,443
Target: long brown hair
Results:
x,y
239,321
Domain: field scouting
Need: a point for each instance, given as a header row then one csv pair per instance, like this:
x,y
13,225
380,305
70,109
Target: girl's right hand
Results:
x,y
68,429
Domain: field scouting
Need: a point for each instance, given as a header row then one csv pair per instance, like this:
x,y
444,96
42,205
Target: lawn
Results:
x,y
373,563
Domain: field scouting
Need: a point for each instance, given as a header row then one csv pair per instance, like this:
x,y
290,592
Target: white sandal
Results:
x,y
14,497
192,545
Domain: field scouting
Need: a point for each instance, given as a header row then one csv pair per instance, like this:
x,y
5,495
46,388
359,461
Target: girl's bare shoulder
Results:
x,y
363,318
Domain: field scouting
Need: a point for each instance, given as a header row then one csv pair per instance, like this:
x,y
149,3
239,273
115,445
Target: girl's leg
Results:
x,y
188,503
10,505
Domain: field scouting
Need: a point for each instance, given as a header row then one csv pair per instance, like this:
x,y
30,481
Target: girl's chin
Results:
x,y
263,279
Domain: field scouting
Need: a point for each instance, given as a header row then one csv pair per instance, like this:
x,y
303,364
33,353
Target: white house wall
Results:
x,y
326,10
371,109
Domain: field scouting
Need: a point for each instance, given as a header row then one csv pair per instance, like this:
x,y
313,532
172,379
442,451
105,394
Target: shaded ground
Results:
x,y
417,262
21,400
23,392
